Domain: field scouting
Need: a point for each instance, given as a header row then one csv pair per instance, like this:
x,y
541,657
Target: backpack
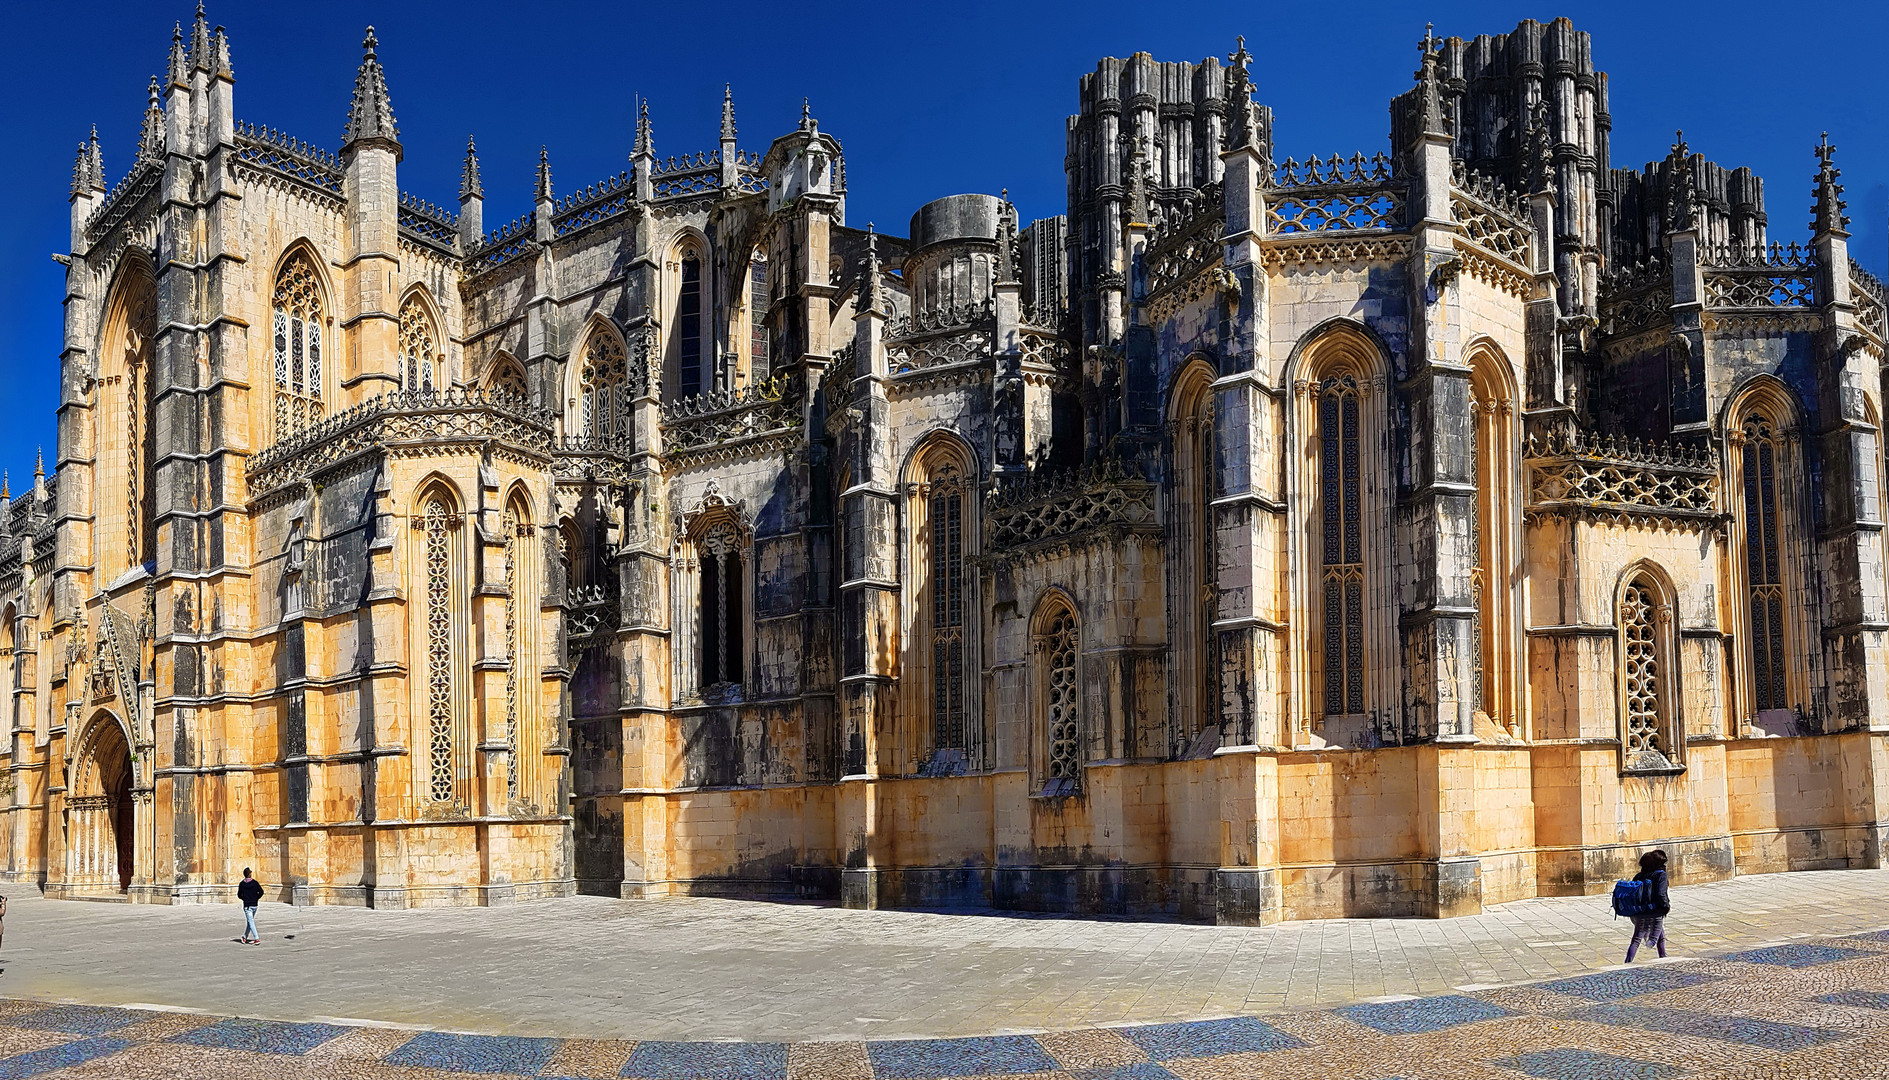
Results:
x,y
1632,898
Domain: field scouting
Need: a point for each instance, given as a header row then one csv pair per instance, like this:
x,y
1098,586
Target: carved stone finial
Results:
x,y
645,135
543,189
151,135
1429,91
728,113
179,62
1827,216
1239,57
371,114
201,58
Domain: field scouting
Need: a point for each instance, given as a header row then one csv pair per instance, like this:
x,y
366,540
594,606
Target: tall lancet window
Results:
x,y
689,325
1642,667
945,510
1342,578
442,757
1764,561
604,372
719,552
298,319
417,353
757,318
1058,644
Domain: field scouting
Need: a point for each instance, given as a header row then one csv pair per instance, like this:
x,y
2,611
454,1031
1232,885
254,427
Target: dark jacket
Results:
x,y
250,892
1662,901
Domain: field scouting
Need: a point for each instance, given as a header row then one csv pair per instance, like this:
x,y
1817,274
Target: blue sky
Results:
x,y
929,99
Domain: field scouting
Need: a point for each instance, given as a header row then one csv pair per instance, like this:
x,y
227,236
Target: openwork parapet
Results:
x,y
1781,276
421,220
1871,302
504,245
1338,194
272,151
1057,506
403,417
1187,243
1489,214
1637,295
122,200
723,415
1577,473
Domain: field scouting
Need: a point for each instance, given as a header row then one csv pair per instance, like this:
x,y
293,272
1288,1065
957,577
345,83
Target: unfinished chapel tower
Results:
x,y
1266,537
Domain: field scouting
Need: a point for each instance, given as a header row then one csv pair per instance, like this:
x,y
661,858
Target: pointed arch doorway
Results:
x,y
99,812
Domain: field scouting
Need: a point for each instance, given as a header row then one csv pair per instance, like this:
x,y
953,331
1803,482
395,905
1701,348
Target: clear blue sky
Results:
x,y
929,99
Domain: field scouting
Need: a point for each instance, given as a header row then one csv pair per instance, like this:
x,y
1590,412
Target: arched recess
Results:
x,y
711,573
941,633
1651,727
1764,485
422,354
601,389
101,809
1344,677
507,376
1193,581
1497,683
300,325
689,370
523,740
1059,743
442,733
123,419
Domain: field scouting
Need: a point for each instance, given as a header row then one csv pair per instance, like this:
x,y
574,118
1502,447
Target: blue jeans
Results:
x,y
249,922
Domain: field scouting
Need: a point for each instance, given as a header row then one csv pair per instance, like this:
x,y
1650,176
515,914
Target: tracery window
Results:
x,y
514,552
1060,642
1764,556
1342,578
945,576
604,373
139,334
720,604
689,325
298,320
1641,664
757,318
442,754
416,347
508,378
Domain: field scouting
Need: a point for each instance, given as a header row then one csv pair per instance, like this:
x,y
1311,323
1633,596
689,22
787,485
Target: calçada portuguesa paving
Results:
x,y
1773,976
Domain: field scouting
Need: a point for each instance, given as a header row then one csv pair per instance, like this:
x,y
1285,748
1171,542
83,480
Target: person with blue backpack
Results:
x,y
1647,902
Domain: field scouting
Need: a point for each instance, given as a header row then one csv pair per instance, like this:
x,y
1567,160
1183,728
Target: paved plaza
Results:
x,y
1784,975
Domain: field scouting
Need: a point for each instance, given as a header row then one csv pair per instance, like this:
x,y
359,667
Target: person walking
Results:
x,y
250,893
1650,928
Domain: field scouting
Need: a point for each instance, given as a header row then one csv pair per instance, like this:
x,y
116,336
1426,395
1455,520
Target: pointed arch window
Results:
x,y
1342,546
297,345
417,352
509,379
604,374
1643,670
437,522
720,604
689,325
945,576
1059,644
1195,587
517,536
758,363
1764,561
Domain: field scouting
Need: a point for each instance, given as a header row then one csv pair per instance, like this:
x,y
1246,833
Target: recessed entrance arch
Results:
x,y
99,812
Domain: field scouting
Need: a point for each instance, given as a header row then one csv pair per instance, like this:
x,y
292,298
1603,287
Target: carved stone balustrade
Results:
x,y
1607,478
722,417
1067,506
1781,276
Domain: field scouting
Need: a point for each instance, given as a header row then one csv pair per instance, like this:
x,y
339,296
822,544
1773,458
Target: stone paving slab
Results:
x,y
1605,1030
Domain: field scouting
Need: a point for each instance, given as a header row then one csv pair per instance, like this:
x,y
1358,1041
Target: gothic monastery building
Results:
x,y
1391,533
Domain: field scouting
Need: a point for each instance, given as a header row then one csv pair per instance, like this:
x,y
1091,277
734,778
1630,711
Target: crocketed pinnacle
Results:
x,y
151,135
371,115
1429,92
94,162
81,171
202,57
871,298
728,113
543,191
179,64
807,123
469,185
645,136
1826,211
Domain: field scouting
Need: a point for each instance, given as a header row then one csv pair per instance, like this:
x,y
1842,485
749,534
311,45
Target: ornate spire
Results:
x,y
807,122
95,161
1248,123
1680,196
371,115
543,190
1540,157
1826,211
81,172
179,64
201,56
645,136
151,136
870,296
220,49
728,113
1429,91
469,185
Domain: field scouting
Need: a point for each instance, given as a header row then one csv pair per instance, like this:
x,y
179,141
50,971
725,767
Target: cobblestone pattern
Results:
x,y
1813,1008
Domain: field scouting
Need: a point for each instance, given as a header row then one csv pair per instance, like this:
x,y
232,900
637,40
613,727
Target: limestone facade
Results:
x,y
1258,539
